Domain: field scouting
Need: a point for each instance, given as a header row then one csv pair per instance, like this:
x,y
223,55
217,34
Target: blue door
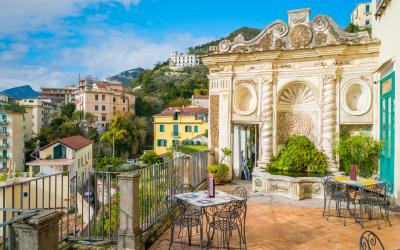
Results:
x,y
387,128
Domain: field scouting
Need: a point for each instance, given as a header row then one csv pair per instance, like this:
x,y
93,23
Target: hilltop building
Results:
x,y
179,61
61,96
74,153
174,125
362,15
387,119
103,100
304,77
41,111
200,100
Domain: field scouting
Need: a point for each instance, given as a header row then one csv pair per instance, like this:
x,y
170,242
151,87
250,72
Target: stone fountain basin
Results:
x,y
294,188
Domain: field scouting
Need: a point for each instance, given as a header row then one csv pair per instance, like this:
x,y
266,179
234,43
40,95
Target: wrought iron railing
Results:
x,y
159,181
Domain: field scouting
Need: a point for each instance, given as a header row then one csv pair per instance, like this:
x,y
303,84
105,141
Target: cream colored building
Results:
x,y
74,153
200,100
385,27
306,76
41,110
175,125
362,16
104,100
179,61
11,139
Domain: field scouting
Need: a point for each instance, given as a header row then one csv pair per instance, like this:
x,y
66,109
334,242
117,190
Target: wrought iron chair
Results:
x,y
374,199
234,219
187,216
337,192
240,191
370,241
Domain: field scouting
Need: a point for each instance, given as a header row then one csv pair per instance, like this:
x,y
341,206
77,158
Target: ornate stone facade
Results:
x,y
292,78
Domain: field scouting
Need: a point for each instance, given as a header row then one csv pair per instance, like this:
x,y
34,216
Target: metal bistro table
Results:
x,y
201,200
360,185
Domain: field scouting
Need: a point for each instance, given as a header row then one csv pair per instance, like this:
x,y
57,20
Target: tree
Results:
x,y
109,164
68,109
150,158
180,101
126,130
83,118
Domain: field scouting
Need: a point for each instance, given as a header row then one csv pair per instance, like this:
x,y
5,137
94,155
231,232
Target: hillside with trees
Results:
x,y
247,32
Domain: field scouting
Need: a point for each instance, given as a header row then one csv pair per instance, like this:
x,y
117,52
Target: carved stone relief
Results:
x,y
297,123
300,35
297,93
214,120
279,187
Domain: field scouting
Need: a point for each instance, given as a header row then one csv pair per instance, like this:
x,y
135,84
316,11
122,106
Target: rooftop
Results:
x,y
74,142
184,111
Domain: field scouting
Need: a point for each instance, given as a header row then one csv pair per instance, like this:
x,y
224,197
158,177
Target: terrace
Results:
x,y
131,211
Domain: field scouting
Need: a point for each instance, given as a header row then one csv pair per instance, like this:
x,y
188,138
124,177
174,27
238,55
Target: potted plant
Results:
x,y
219,171
360,150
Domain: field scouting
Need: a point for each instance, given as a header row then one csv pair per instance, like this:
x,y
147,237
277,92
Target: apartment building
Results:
x,y
103,100
174,125
11,138
41,110
200,100
362,15
61,96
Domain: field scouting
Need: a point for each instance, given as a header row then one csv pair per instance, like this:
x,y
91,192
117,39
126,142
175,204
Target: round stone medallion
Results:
x,y
300,35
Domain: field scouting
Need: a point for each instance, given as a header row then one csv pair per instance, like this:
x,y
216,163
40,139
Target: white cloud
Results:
x,y
15,75
36,15
111,52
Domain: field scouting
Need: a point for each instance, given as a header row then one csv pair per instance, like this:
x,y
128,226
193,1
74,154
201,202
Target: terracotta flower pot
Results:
x,y
217,180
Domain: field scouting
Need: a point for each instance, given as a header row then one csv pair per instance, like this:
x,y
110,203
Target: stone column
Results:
x,y
129,234
329,118
39,232
266,122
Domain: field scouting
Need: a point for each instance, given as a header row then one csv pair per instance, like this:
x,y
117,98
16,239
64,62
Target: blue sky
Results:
x,y
52,42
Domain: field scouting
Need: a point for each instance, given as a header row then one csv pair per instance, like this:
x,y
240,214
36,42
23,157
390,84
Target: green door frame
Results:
x,y
387,131
176,130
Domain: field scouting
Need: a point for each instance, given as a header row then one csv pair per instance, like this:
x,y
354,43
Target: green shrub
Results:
x,y
299,156
361,150
150,158
112,162
218,170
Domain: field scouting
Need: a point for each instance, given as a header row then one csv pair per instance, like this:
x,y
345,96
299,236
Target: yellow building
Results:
x,y
72,153
174,125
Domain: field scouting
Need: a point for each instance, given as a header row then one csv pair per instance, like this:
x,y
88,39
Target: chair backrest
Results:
x,y
331,186
235,209
240,191
378,192
370,241
184,188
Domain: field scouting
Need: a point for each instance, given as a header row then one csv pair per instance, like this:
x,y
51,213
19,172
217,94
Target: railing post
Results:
x,y
129,234
39,232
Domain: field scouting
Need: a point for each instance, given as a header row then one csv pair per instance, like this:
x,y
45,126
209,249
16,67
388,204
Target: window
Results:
x,y
123,100
96,107
96,97
175,143
176,130
367,8
103,97
188,128
123,109
367,22
176,115
161,143
103,108
113,99
196,128
4,164
162,128
103,118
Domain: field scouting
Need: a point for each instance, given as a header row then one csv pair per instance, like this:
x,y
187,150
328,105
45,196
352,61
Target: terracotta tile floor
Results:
x,y
283,226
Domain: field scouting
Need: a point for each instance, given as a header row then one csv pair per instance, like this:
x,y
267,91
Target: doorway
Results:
x,y
387,128
245,148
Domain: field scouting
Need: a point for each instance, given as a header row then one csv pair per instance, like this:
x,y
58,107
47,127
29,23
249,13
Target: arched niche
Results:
x,y
356,97
245,99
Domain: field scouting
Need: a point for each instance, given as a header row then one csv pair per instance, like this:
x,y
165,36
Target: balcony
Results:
x,y
380,7
4,133
4,145
3,122
4,157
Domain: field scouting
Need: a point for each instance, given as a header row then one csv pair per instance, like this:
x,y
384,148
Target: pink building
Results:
x,y
104,100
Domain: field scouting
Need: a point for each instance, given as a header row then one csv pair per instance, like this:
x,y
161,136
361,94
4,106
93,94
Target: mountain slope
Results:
x,y
21,92
247,32
126,76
